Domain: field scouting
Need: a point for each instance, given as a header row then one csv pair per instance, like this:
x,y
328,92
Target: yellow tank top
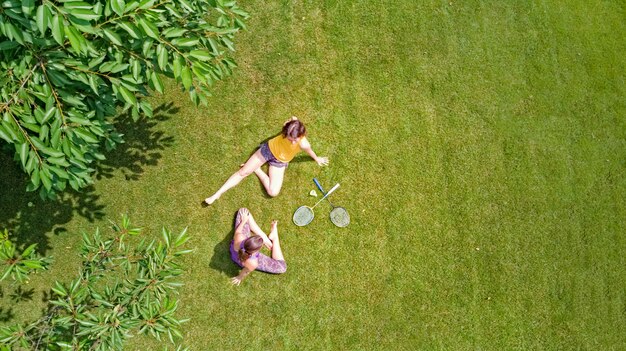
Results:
x,y
283,149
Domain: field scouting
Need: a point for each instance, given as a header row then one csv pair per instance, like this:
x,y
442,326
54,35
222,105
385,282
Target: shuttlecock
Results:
x,y
313,193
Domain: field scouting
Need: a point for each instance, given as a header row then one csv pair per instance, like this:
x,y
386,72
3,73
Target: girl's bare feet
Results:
x,y
211,200
274,230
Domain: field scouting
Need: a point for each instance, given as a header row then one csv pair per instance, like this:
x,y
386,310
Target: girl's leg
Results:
x,y
255,161
276,264
272,181
246,227
277,253
254,227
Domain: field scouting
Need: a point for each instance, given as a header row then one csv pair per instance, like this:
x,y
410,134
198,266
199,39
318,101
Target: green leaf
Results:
x,y
149,27
60,172
7,45
4,135
114,37
162,57
75,39
59,289
45,178
71,5
14,33
185,42
48,114
85,14
43,18
93,83
146,4
202,55
174,32
136,68
118,6
156,81
178,63
58,29
130,28
214,46
23,151
85,135
56,137
186,77
127,95
34,177
29,250
28,6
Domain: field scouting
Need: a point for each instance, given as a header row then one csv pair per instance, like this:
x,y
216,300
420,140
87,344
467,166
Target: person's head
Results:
x,y
249,247
294,130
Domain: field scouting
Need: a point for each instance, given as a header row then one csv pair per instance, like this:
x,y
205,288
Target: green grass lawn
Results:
x,y
481,151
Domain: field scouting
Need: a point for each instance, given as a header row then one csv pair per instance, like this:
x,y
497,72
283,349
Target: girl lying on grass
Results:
x,y
278,151
244,249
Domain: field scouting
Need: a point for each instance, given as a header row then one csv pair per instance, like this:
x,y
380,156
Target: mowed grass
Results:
x,y
481,151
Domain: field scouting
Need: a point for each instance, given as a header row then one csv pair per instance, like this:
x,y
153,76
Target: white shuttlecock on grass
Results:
x,y
313,193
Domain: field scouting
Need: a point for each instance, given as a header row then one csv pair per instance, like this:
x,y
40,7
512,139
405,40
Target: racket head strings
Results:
x,y
303,216
340,217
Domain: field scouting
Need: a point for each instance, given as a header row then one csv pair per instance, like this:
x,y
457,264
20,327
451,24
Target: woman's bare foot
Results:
x,y
211,200
273,230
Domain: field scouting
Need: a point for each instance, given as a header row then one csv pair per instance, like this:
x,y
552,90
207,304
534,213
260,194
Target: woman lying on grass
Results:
x,y
244,249
278,151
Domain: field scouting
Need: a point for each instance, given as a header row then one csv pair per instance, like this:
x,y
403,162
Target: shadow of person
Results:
x,y
220,261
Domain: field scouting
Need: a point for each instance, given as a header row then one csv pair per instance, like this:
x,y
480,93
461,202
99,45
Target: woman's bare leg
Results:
x,y
277,253
254,227
255,161
273,181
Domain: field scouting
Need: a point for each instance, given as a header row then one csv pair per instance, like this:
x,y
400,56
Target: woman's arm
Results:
x,y
248,267
306,146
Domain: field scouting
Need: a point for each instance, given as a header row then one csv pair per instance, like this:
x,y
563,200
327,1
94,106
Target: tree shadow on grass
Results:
x,y
142,145
30,220
221,255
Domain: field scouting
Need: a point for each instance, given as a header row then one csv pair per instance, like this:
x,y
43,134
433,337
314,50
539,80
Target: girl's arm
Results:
x,y
248,267
306,146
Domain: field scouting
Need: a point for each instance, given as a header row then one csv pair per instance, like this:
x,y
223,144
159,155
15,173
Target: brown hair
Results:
x,y
249,246
294,129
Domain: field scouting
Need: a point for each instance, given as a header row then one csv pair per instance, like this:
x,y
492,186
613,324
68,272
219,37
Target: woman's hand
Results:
x,y
236,280
293,118
322,161
244,213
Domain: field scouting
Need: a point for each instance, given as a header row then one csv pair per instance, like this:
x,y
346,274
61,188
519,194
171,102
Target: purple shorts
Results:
x,y
269,157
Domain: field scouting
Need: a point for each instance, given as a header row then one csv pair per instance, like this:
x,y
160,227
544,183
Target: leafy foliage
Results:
x,y
19,264
66,66
121,289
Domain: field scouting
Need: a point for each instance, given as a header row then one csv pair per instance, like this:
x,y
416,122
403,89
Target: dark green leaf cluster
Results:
x,y
66,66
121,290
18,264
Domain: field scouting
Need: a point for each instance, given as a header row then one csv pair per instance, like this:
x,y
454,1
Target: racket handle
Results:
x,y
332,189
319,186
328,193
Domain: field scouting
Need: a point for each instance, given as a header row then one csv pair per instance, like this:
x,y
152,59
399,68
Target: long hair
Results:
x,y
249,246
294,129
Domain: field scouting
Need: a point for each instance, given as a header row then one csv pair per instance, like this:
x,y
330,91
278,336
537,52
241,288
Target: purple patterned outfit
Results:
x,y
266,263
